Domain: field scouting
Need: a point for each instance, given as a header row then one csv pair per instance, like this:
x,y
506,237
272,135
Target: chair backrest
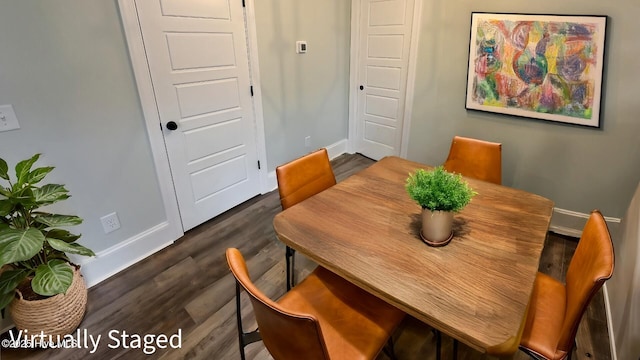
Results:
x,y
285,334
304,177
591,265
474,158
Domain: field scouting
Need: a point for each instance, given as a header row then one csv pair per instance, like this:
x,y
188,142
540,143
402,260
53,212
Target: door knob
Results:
x,y
361,87
171,125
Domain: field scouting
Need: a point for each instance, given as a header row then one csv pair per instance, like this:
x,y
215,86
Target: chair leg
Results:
x,y
389,350
239,322
438,344
244,339
574,348
455,349
290,260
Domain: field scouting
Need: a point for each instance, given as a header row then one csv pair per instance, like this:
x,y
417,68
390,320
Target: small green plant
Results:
x,y
439,190
33,248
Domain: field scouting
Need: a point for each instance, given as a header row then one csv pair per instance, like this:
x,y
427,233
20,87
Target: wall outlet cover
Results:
x,y
301,47
110,222
8,119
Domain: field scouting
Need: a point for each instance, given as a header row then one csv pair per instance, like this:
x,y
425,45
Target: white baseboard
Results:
x,y
111,261
607,306
336,149
571,223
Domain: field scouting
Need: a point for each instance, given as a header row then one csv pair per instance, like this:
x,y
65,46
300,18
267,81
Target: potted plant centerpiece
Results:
x,y
43,290
440,193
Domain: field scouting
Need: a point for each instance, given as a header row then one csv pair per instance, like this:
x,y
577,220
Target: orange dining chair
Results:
x,y
555,309
298,180
476,159
323,317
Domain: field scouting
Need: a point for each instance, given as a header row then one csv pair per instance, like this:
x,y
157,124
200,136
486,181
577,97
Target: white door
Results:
x,y
383,58
197,56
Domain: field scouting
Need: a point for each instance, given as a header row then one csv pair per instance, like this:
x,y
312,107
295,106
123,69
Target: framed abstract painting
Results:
x,y
545,67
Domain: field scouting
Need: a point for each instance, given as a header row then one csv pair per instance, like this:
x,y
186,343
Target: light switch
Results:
x,y
301,47
8,119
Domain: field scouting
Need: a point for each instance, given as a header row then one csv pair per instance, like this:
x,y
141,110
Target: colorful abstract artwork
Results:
x,y
538,66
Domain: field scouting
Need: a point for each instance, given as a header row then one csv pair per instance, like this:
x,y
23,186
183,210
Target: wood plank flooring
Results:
x,y
188,286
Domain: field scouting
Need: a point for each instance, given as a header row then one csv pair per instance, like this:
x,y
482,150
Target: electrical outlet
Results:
x,y
307,141
8,119
301,47
110,223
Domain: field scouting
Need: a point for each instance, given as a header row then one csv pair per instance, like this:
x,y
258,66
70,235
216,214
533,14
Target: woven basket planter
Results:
x,y
57,315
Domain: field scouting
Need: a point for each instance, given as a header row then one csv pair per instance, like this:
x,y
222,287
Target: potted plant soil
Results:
x,y
42,289
440,194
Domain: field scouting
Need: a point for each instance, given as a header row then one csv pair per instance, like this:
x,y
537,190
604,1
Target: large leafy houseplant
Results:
x,y
439,190
33,247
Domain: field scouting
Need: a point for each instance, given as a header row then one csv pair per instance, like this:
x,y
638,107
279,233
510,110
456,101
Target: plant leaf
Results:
x,y
439,189
52,278
56,220
6,299
19,245
49,194
6,207
61,234
4,169
25,199
24,167
5,192
73,248
10,279
38,174
59,255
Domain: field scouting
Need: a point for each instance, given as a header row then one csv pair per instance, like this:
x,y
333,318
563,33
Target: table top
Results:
x,y
475,289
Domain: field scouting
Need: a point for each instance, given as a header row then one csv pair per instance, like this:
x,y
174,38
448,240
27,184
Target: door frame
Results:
x,y
137,55
354,72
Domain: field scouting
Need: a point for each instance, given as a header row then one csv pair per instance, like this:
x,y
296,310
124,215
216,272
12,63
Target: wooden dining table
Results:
x,y
476,289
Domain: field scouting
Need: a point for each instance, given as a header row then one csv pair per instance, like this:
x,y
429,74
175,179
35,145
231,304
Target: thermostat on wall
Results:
x,y
301,47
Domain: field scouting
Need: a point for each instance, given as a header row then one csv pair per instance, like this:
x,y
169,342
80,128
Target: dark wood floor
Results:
x,y
188,286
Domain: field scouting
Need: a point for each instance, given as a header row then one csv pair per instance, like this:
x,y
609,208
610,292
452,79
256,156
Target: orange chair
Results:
x,y
323,317
556,309
298,180
474,158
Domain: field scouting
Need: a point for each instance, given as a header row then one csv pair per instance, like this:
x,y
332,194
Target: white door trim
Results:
x,y
411,77
254,73
137,55
354,75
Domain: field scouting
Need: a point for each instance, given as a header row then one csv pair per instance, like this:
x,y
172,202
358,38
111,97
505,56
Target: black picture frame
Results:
x,y
540,66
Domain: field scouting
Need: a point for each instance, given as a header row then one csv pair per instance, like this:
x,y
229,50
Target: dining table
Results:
x,y
476,289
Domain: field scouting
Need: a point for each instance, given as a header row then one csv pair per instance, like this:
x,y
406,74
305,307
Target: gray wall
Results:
x,y
578,168
303,94
64,66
